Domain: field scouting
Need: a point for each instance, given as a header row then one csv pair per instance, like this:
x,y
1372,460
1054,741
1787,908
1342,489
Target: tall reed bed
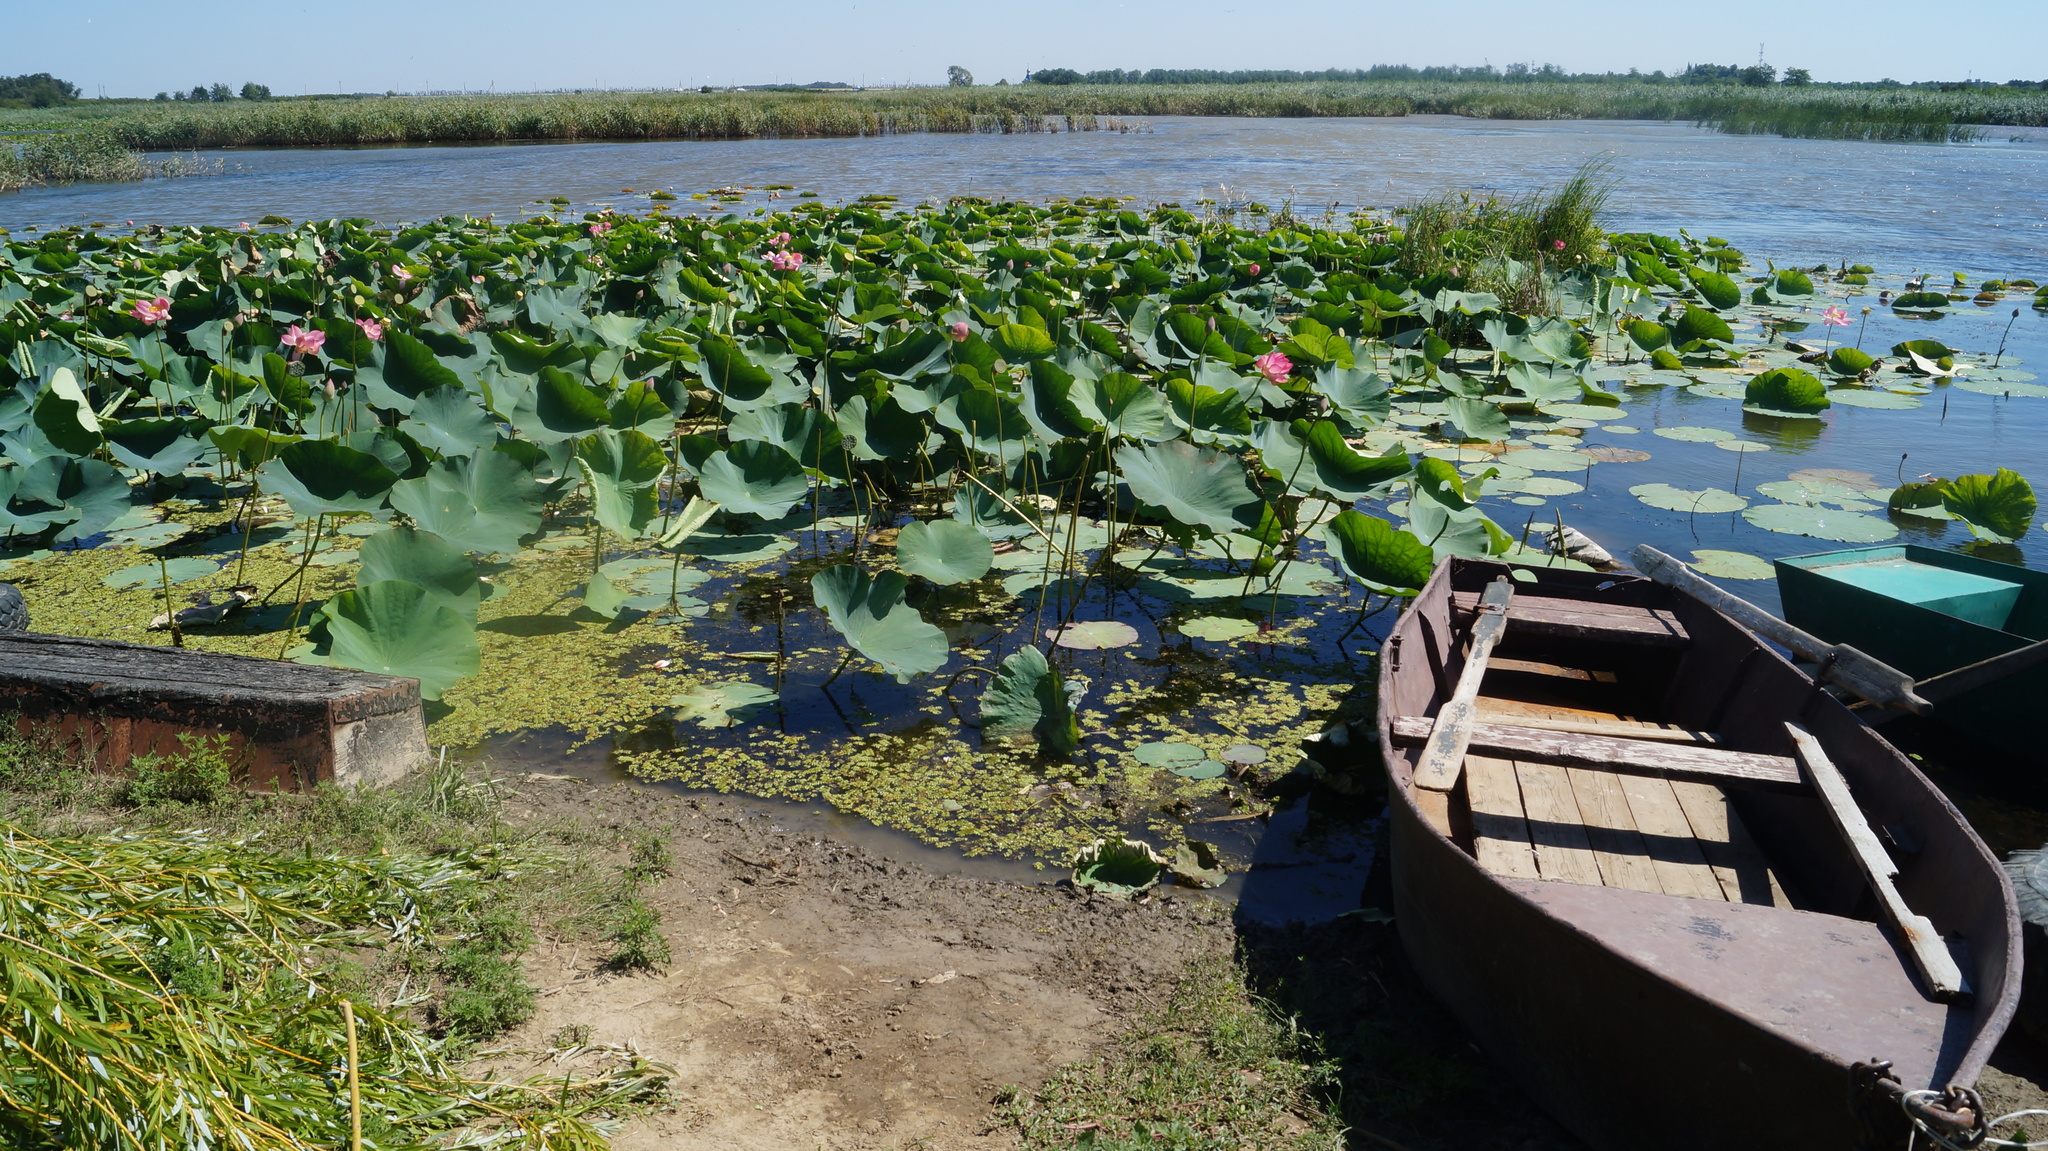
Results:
x,y
1905,114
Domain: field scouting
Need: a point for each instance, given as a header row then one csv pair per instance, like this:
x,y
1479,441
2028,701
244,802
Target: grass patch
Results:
x,y
1505,246
1210,1068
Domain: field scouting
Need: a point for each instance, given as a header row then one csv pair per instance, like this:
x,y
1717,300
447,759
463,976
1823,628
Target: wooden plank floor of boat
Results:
x,y
1604,829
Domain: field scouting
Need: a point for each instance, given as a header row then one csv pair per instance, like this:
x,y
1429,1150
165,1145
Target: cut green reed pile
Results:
x,y
1162,403
1880,114
183,988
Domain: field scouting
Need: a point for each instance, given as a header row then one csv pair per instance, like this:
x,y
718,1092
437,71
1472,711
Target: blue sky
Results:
x,y
131,48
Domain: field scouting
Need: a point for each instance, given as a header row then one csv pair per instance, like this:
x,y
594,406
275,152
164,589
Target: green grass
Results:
x,y
1855,113
1210,1068
1504,246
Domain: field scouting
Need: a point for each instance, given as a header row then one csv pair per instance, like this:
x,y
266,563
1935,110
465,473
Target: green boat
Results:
x,y
1927,611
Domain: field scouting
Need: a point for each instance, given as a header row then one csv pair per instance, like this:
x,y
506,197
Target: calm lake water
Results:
x,y
1976,209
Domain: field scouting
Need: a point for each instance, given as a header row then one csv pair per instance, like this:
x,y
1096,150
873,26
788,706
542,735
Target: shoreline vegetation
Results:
x,y
98,140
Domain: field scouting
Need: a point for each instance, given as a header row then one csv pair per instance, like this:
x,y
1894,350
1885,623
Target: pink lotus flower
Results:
x,y
1835,317
1254,269
779,240
304,341
155,311
1274,366
476,279
372,330
960,332
785,261
1557,245
600,228
399,271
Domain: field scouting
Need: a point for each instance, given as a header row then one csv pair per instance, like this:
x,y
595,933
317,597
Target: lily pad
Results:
x,y
1168,754
944,551
1243,754
722,704
1691,434
1821,523
395,627
1742,446
1844,476
1093,635
148,575
1206,769
1218,627
1195,864
1994,387
877,623
1719,391
1547,460
1609,454
1731,565
1872,398
1549,486
1705,502
1028,699
1581,411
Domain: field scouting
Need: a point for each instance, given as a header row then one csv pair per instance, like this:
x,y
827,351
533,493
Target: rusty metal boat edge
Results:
x,y
1617,1051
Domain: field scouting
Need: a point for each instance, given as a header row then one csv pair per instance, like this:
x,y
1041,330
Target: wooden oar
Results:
x,y
1880,683
1443,756
1930,954
1939,689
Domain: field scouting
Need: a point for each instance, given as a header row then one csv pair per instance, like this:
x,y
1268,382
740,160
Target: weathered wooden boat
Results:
x,y
1932,612
1682,893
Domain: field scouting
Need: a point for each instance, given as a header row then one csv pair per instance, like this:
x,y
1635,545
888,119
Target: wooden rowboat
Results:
x,y
1683,894
1931,612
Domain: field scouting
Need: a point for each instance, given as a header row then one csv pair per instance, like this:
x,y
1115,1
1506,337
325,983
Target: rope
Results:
x,y
1920,1127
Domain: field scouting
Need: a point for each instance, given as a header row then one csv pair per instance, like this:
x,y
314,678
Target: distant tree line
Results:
x,y
218,93
41,90
1753,75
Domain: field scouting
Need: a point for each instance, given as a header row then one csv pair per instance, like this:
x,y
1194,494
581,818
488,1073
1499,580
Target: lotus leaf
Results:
x,y
1998,507
1800,520
875,621
1849,361
943,551
1219,627
1027,699
1093,635
755,478
425,559
1708,501
621,469
1699,324
394,627
1719,290
1731,565
1547,460
723,704
1194,485
1691,434
1379,555
1786,392
177,570
1195,864
1120,870
1169,753
318,477
483,503
162,446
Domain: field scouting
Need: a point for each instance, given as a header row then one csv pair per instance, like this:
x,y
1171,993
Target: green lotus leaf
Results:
x,y
723,704
1873,398
484,503
162,446
451,422
63,413
1196,486
2001,387
400,369
1800,520
1719,290
1051,406
1849,361
1220,628
875,621
1705,502
883,431
1699,324
1206,769
425,559
1998,507
1476,420
1931,349
1195,864
1379,555
1920,499
1792,282
1731,565
1648,334
1168,753
1120,870
1547,460
1719,391
1688,433
943,551
395,627
1786,391
1021,343
321,477
621,469
1093,635
1582,411
1027,699
1920,301
1200,408
1356,392
177,570
1129,408
755,478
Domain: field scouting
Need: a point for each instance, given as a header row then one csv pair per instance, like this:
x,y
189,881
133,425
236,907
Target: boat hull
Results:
x,y
1626,1014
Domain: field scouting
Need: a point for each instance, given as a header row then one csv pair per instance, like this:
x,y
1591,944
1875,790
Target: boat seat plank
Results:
x,y
1500,834
1738,863
1586,620
1680,864
1551,670
1557,830
1623,859
1629,756
1545,717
